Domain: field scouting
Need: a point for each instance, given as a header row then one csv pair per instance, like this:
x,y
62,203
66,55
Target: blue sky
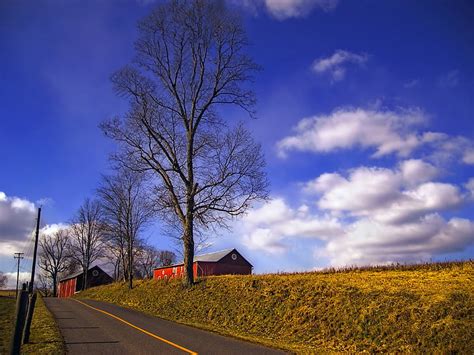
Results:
x,y
365,115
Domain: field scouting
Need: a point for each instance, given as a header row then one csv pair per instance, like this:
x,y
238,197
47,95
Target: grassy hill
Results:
x,y
427,308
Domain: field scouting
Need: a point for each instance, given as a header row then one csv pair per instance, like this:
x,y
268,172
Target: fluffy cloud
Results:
x,y
283,9
17,220
370,215
468,157
371,242
386,131
17,223
470,187
11,279
267,227
389,196
336,64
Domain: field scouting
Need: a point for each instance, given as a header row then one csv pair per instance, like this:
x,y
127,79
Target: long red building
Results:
x,y
225,262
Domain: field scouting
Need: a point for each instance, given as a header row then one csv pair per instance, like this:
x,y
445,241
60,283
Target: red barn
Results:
x,y
225,262
71,284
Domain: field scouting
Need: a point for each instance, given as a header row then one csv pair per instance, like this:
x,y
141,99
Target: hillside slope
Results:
x,y
429,308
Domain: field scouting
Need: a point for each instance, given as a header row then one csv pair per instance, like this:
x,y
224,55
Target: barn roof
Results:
x,y
209,257
79,273
215,256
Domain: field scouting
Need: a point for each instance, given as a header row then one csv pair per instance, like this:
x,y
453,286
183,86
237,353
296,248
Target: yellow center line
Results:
x,y
138,328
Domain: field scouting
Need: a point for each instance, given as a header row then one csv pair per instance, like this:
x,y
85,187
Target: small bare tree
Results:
x,y
150,258
126,211
87,236
190,61
3,280
44,285
166,258
54,256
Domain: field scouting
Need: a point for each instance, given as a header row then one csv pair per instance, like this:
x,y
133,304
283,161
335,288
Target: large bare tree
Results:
x,y
190,62
126,211
54,255
87,234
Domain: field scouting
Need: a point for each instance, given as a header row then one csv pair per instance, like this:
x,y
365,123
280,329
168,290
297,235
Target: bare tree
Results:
x,y
44,285
190,61
54,255
166,258
147,260
150,258
87,236
114,254
3,280
126,211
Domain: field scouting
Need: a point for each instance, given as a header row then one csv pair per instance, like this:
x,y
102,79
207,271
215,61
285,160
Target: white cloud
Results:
x,y
335,64
468,157
17,224
371,242
17,218
266,228
370,215
386,131
11,279
411,84
415,171
449,79
470,187
283,9
390,196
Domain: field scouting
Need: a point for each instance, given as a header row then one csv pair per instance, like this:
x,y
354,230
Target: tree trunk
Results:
x,y
84,278
55,285
188,242
130,265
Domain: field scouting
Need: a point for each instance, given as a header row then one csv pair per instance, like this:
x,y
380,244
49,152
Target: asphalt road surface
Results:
x,y
102,328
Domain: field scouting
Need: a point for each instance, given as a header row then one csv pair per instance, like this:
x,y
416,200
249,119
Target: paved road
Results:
x,y
101,328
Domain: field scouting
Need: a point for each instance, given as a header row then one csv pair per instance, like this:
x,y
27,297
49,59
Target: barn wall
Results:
x,y
228,260
208,269
172,271
202,268
67,287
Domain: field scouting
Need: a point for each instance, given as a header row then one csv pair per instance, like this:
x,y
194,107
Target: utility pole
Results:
x,y
18,256
32,296
32,280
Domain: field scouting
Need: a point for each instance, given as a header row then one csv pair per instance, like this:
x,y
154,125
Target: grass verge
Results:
x,y
45,337
7,317
427,309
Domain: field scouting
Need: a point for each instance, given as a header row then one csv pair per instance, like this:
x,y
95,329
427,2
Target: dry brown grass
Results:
x,y
427,308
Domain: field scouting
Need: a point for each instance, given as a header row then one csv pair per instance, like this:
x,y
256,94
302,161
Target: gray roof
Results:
x,y
213,257
209,257
76,274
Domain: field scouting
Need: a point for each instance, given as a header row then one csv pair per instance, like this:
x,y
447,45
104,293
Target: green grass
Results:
x,y
45,337
427,308
7,316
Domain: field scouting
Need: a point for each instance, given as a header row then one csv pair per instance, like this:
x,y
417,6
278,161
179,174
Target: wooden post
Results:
x,y
33,265
29,317
21,306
